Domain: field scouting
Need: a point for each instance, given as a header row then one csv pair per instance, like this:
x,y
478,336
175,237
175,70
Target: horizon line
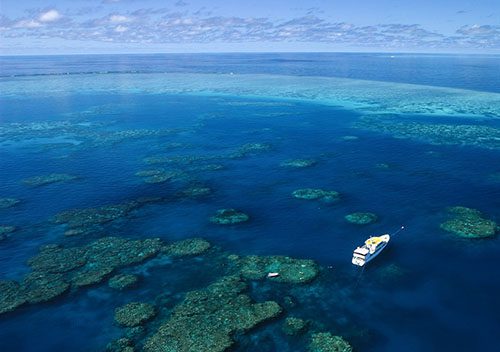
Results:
x,y
262,52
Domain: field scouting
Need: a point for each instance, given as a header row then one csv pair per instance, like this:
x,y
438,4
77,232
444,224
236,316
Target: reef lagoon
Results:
x,y
144,199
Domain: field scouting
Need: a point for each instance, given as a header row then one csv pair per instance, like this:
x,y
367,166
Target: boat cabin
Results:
x,y
370,249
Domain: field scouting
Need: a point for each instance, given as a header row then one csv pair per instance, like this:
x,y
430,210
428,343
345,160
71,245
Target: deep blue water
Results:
x,y
446,298
477,72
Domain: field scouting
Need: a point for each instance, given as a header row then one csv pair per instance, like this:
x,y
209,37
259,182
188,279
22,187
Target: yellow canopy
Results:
x,y
373,241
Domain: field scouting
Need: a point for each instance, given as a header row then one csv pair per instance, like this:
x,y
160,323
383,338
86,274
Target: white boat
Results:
x,y
372,247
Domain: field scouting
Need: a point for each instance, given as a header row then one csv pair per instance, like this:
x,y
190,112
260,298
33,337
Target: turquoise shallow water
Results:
x,y
404,150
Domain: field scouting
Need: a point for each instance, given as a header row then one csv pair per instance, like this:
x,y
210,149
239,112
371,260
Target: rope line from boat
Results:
x,y
360,276
398,231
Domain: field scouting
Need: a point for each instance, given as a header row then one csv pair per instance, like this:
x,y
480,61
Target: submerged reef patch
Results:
x,y
326,342
55,259
160,175
359,218
298,163
150,172
349,138
469,223
438,134
134,314
229,217
207,167
56,269
5,231
86,219
494,177
390,273
48,179
121,345
317,194
81,133
10,298
39,287
123,281
188,247
195,192
370,96
178,159
211,318
294,326
289,270
250,149
8,202
207,319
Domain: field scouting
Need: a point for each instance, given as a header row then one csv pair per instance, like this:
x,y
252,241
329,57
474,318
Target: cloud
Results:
x,y
160,25
181,3
476,30
119,19
479,36
121,29
27,24
49,16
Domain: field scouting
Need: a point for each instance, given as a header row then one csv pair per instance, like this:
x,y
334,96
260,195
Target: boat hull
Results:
x,y
360,259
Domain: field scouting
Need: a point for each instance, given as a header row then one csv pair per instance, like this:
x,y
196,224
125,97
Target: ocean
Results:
x,y
153,146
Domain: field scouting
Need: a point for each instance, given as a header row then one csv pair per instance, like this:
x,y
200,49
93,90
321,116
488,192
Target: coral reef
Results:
x,y
150,172
87,134
211,316
250,149
121,345
317,194
390,273
195,192
91,216
115,252
48,179
469,223
294,326
191,246
290,270
438,134
359,218
160,175
55,259
8,202
349,138
134,314
382,166
298,163
207,167
57,269
91,275
87,219
229,217
494,177
178,159
10,297
5,231
160,178
326,342
122,281
42,287
82,231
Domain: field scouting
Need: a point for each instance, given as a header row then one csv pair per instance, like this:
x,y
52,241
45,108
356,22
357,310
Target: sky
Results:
x,y
30,27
